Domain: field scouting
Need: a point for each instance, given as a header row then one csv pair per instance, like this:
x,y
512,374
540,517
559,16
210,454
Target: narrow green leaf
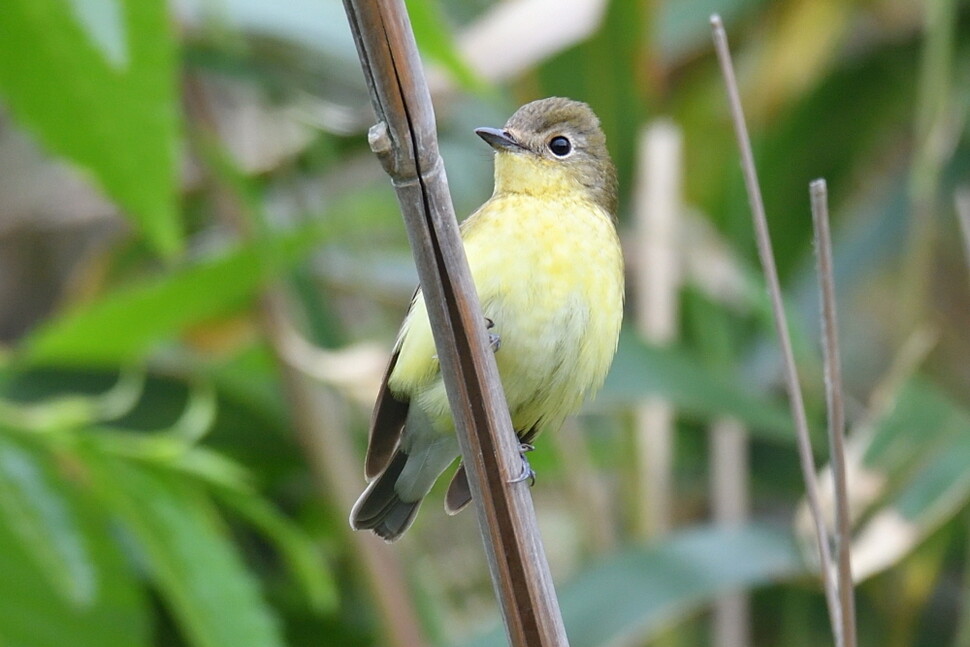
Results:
x,y
941,488
201,576
35,614
630,596
301,555
915,462
124,325
641,370
35,509
64,412
102,94
923,419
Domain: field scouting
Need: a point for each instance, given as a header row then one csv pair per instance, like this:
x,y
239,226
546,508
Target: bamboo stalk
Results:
x,y
731,626
406,144
795,399
588,493
835,408
657,285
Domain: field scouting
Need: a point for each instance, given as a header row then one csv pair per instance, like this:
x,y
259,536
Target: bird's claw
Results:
x,y
527,473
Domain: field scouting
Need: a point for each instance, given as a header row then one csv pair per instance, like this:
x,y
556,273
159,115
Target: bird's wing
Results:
x,y
387,426
390,414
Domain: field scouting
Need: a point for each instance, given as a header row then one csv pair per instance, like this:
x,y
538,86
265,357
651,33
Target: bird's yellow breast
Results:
x,y
549,274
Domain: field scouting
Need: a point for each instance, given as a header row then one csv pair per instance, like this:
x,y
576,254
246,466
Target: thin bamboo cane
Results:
x,y
795,399
406,144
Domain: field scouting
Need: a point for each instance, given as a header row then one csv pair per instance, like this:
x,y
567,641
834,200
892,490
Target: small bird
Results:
x,y
546,262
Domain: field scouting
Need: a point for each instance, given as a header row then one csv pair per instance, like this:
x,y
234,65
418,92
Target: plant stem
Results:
x,y
835,408
406,144
795,399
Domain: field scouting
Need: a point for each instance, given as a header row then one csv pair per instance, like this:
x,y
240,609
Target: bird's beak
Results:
x,y
498,139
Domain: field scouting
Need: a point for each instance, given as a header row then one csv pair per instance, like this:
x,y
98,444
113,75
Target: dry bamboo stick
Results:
x,y
795,400
406,144
835,408
657,265
731,626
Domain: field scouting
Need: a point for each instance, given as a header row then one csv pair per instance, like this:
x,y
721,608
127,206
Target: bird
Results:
x,y
546,262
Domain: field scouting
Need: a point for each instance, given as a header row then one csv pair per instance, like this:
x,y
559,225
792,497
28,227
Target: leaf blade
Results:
x,y
115,612
669,578
641,370
200,574
124,325
37,511
121,123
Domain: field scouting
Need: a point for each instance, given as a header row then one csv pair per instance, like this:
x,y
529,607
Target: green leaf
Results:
x,y
641,370
104,23
435,41
857,134
923,420
196,567
124,325
301,555
38,513
102,98
41,607
68,412
913,463
628,597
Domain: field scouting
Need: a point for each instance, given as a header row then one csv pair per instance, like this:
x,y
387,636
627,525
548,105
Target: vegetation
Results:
x,y
202,268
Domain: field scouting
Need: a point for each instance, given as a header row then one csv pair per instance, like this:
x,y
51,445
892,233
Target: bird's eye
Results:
x,y
560,146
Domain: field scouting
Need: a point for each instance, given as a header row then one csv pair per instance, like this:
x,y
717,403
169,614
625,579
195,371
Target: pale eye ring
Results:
x,y
560,146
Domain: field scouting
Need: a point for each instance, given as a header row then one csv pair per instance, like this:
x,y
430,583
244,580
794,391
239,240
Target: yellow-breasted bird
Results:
x,y
546,263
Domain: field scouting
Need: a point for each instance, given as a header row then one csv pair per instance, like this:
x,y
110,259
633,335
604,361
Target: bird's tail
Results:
x,y
391,501
380,507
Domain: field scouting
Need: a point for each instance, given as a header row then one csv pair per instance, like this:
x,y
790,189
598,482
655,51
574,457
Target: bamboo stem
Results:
x,y
835,408
588,492
731,626
657,285
406,144
795,399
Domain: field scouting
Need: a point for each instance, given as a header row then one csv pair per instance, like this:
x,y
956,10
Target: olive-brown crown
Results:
x,y
568,133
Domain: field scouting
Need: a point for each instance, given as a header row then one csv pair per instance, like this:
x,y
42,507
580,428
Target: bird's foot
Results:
x,y
527,473
493,338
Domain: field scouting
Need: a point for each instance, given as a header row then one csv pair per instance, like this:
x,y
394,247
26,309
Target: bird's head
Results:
x,y
552,147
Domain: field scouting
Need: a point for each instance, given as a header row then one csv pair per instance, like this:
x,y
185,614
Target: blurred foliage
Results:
x,y
114,72
172,172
